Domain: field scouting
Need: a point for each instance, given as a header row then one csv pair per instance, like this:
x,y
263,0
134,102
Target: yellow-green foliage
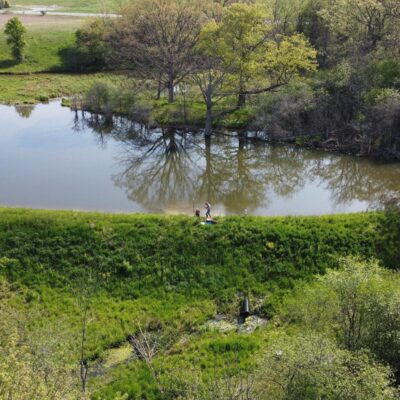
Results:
x,y
244,42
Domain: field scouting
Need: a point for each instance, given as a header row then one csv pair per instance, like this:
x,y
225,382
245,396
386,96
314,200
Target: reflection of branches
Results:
x,y
361,180
159,172
163,168
256,169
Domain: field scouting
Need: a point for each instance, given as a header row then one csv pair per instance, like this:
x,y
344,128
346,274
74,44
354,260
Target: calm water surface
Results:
x,y
52,158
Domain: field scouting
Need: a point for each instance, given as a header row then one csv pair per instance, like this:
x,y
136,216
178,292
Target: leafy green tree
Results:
x,y
261,59
315,28
310,366
91,44
359,305
240,55
15,33
214,74
363,24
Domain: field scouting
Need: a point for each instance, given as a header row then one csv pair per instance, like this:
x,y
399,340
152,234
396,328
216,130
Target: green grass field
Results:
x,y
89,6
48,40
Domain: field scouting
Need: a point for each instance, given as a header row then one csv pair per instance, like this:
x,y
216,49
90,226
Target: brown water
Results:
x,y
51,158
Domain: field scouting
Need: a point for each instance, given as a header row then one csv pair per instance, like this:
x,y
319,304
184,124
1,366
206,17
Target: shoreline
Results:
x,y
136,214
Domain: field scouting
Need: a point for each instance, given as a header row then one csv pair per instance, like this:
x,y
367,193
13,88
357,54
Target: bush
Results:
x,y
15,33
107,99
283,114
358,304
91,45
310,366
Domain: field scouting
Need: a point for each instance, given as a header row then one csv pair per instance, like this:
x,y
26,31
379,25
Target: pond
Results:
x,y
54,158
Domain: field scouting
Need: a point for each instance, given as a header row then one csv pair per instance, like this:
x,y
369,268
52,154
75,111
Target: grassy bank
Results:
x,y
34,88
148,254
172,274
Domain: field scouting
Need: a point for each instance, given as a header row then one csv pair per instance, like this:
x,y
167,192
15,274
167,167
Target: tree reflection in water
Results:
x,y
351,179
175,170
24,110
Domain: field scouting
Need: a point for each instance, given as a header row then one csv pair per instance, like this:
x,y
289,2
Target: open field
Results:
x,y
94,6
48,40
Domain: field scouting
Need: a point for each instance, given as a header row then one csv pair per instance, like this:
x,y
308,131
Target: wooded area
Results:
x,y
319,72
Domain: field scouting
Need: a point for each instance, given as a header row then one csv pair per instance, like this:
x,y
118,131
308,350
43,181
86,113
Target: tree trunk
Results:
x,y
171,97
208,127
241,100
159,89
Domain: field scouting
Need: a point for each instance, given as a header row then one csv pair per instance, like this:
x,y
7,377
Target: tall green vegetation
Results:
x,y
358,306
80,285
35,365
266,254
15,33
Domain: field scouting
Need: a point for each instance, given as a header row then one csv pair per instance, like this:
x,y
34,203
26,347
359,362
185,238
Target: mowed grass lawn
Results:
x,y
48,39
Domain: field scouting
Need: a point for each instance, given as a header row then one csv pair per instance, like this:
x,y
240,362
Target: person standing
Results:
x,y
207,206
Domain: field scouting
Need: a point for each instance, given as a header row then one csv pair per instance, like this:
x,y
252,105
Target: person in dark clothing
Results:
x,y
207,206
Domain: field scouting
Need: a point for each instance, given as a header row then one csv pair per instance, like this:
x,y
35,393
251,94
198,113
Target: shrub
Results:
x,y
15,33
310,366
359,304
91,46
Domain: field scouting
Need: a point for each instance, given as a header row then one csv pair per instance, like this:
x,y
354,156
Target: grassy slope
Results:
x,y
176,254
170,270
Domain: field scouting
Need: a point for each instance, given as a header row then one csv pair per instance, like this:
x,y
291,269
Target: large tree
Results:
x,y
156,38
245,44
241,54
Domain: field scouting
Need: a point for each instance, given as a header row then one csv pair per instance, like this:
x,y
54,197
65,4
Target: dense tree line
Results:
x,y
325,72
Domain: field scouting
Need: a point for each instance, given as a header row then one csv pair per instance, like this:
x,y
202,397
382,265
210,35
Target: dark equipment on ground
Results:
x,y
245,311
